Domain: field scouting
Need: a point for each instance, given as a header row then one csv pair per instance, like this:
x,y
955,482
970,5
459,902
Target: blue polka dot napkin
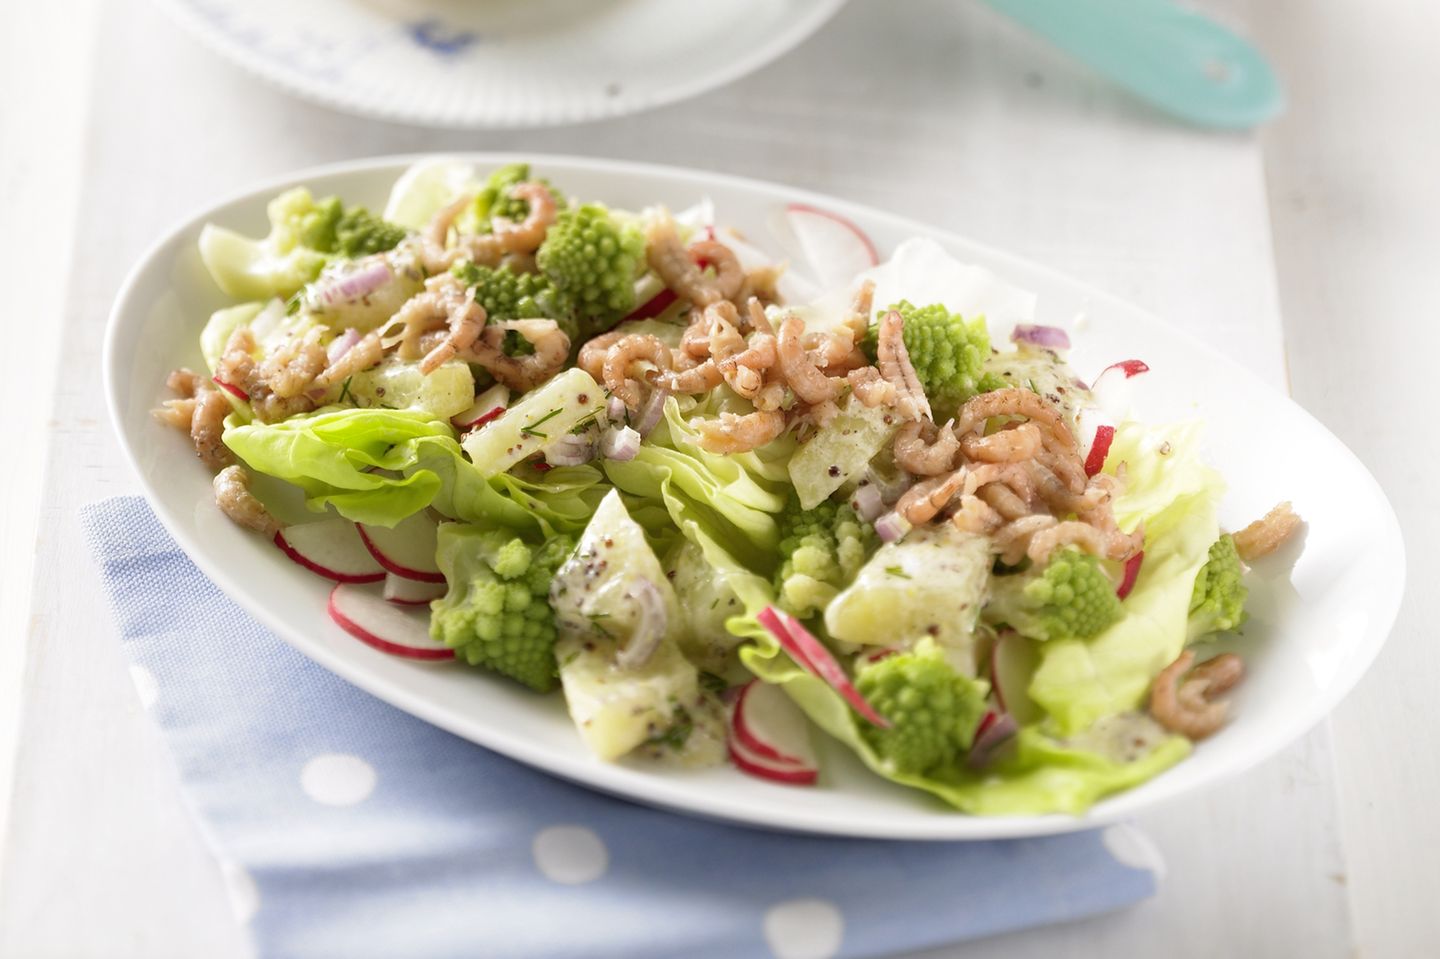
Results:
x,y
349,828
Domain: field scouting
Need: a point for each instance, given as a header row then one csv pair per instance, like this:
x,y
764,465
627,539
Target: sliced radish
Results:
x,y
1132,573
769,724
810,653
365,614
1012,663
232,389
749,762
486,407
831,246
331,547
996,729
1099,449
411,592
1113,388
407,549
654,306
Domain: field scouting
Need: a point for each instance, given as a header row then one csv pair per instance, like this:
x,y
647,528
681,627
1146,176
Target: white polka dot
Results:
x,y
145,686
240,888
1133,848
336,779
804,929
570,854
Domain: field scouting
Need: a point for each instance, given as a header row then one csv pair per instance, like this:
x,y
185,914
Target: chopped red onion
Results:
x,y
341,345
649,416
650,625
868,503
619,443
615,410
572,449
357,284
891,486
891,527
994,733
1050,337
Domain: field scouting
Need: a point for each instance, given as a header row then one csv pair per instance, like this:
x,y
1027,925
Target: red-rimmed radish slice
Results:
x,y
1099,449
332,548
792,287
486,407
1113,388
1131,574
232,389
994,732
810,653
411,592
830,248
366,615
407,549
769,724
654,306
1012,664
789,774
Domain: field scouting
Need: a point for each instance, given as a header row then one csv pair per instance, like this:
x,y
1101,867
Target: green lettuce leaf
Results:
x,y
378,466
1176,496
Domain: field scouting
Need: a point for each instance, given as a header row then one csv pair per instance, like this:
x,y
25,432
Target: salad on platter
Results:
x,y
721,502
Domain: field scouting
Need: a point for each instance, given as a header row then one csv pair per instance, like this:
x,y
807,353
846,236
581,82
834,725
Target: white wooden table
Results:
x,y
969,124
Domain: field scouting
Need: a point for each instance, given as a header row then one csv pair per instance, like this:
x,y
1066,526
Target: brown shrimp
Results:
x,y
526,236
1012,539
740,433
593,353
466,320
1267,534
626,352
772,396
1005,501
921,502
800,371
745,371
975,515
179,413
700,378
1011,445
207,428
1185,704
729,274
760,284
520,373
367,352
1097,542
872,389
893,361
1015,402
432,244
759,322
233,496
924,449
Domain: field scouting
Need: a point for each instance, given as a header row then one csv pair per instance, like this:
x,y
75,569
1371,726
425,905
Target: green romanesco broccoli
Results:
x,y
1218,602
331,227
821,550
494,199
947,352
507,295
933,710
496,612
593,260
1070,598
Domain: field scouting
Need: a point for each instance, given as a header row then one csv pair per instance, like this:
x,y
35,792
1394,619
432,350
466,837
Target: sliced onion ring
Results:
x,y
619,443
341,345
343,288
572,449
649,416
650,625
994,732
892,527
1050,337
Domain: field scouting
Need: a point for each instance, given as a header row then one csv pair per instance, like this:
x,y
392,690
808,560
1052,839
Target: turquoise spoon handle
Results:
x,y
1184,63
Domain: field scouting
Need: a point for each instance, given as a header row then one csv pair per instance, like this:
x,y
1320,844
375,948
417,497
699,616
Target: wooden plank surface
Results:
x,y
975,126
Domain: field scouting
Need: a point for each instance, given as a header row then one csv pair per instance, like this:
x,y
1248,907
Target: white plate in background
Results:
x,y
499,63
1312,633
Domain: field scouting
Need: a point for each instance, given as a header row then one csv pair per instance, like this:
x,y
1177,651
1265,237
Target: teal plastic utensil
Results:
x,y
1182,62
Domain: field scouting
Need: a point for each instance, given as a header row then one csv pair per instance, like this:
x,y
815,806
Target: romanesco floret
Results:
x,y
496,612
947,352
821,550
494,199
507,295
593,260
331,227
933,710
1218,602
1070,598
